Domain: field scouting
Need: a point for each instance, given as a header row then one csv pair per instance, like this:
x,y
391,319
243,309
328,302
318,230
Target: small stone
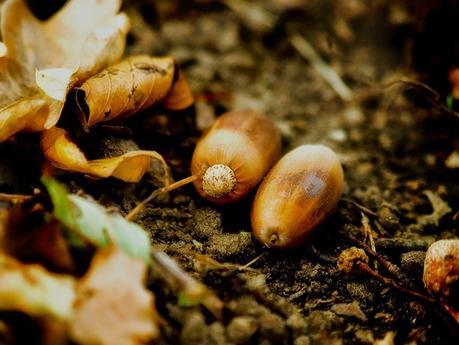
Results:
x,y
365,336
241,329
302,340
227,245
360,292
412,263
272,326
194,331
387,218
320,321
206,222
349,309
217,333
246,306
297,324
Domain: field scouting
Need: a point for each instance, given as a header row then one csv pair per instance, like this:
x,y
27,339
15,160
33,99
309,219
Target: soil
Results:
x,y
393,146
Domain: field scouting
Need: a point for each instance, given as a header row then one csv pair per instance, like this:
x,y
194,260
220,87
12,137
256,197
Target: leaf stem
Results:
x,y
139,208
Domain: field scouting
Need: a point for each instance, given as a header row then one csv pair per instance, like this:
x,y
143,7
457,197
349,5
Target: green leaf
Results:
x,y
450,101
93,223
61,202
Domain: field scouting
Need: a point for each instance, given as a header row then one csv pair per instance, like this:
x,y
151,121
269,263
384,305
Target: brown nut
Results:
x,y
299,192
235,153
441,270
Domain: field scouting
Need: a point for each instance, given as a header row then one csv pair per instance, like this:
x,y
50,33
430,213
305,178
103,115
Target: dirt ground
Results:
x,y
392,143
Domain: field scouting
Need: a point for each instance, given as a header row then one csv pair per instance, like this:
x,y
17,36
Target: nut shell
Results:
x,y
299,192
245,141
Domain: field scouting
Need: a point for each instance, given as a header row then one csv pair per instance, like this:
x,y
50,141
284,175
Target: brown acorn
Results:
x,y
234,154
299,192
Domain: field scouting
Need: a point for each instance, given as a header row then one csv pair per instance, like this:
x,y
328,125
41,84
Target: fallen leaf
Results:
x,y
31,289
93,223
112,305
180,95
40,61
64,154
27,234
130,86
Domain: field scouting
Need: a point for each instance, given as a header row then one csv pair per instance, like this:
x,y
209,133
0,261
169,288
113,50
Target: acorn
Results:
x,y
441,270
230,158
233,155
299,192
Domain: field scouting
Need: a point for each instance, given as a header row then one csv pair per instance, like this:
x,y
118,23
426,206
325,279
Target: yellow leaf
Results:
x,y
33,290
112,305
180,95
54,82
84,37
65,154
130,86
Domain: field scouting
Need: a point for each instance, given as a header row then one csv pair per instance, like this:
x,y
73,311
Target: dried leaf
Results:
x,y
112,306
35,291
91,221
65,154
41,60
180,95
29,236
129,87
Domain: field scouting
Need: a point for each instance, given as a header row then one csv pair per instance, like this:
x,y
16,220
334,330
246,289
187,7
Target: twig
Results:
x,y
321,67
256,15
251,262
139,208
386,264
14,198
362,266
361,207
190,291
368,235
359,265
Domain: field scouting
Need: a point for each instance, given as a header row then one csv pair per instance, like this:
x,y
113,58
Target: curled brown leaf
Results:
x,y
27,234
40,61
63,153
130,86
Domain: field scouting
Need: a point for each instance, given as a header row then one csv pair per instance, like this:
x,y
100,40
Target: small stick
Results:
x,y
362,266
361,207
368,235
139,208
14,198
191,290
388,266
251,262
321,67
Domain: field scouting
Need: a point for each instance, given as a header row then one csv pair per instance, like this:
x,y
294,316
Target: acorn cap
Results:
x,y
218,180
